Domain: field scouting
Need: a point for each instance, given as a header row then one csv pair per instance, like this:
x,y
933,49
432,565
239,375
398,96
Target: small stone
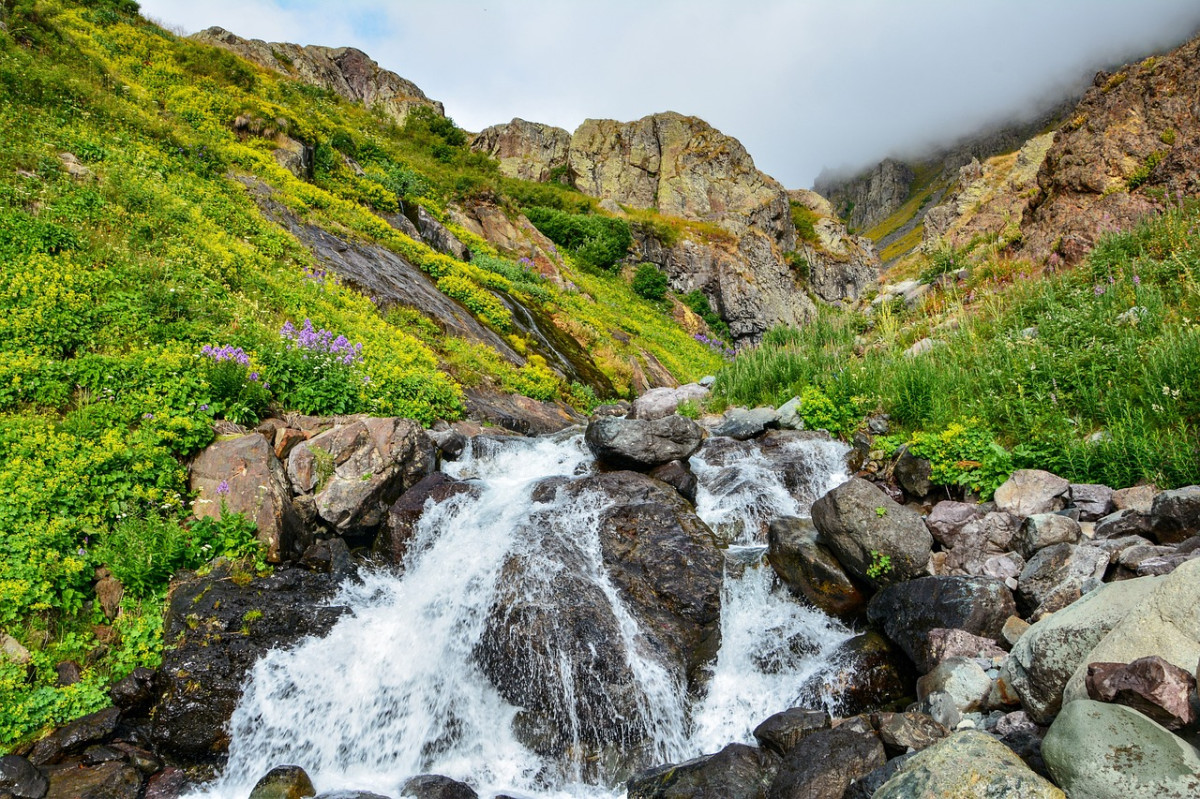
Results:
x,y
11,649
789,415
284,782
1014,628
1044,529
435,786
960,678
902,732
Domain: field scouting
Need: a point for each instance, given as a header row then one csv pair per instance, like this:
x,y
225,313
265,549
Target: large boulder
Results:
x,y
73,737
908,612
284,782
111,780
809,569
736,772
967,765
356,471
220,625
826,762
664,401
875,538
1057,576
435,786
782,731
642,445
1165,623
1175,515
746,423
1155,688
555,644
242,475
870,674
1031,491
1047,654
21,779
391,544
1103,751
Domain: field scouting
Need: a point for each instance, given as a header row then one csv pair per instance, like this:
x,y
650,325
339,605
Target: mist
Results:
x,y
804,84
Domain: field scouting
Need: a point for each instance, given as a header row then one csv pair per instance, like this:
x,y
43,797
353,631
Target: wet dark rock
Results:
x,y
743,424
450,443
141,759
873,537
824,764
21,779
1152,686
391,544
435,234
170,783
518,414
284,782
135,692
435,786
1175,515
902,732
871,674
96,754
913,474
642,445
222,624
69,673
679,476
811,570
907,612
781,732
74,737
113,780
329,556
736,772
865,787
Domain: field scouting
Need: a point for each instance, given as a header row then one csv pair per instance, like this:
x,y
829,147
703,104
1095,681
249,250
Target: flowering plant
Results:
x,y
238,392
315,371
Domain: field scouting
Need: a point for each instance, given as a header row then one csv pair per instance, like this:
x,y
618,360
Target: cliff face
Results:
x,y
526,150
1131,143
346,71
869,198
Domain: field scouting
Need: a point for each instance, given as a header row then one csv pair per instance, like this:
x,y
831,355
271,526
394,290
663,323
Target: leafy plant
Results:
x,y
650,282
880,566
597,241
314,371
689,409
238,393
881,511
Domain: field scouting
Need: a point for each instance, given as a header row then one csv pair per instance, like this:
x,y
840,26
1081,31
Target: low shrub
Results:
x,y
596,241
650,282
314,371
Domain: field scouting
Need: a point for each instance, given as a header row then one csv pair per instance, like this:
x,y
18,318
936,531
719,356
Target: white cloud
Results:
x,y
803,83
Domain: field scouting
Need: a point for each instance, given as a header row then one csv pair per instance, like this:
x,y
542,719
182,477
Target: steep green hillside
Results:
x,y
144,296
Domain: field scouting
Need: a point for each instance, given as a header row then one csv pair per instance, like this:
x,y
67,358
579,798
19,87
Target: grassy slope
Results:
x,y
1108,390
111,284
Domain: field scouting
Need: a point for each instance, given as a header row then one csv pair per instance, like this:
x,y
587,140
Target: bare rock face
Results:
x,y
525,150
346,71
869,199
1134,131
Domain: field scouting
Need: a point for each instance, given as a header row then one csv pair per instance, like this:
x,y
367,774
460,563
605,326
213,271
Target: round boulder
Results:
x,y
641,445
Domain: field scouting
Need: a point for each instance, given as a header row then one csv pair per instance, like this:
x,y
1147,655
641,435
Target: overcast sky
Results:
x,y
803,84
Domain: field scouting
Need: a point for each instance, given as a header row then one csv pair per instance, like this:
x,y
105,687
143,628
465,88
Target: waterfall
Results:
x,y
397,688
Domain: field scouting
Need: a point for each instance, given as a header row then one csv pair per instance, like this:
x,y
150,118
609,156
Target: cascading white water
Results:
x,y
396,688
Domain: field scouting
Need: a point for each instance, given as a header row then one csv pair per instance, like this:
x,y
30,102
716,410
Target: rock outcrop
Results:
x,y
345,71
526,150
870,197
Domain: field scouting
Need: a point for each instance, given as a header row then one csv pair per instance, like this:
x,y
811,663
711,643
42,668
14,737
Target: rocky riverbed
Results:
x,y
561,615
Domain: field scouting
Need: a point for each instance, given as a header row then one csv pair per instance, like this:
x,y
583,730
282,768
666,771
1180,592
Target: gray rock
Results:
x,y
1031,491
1164,623
913,474
1140,498
435,786
782,731
1175,515
736,772
945,644
284,782
435,234
1057,576
1047,654
660,402
11,649
903,732
744,424
962,679
948,518
1121,523
1043,529
789,415
1093,501
872,536
707,381
942,708
641,445
1103,751
356,471
909,611
811,570
21,779
967,765
678,475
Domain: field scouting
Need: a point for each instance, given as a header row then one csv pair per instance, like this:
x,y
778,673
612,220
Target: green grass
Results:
x,y
1102,393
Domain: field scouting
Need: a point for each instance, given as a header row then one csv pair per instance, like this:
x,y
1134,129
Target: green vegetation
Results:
x,y
1091,374
803,219
650,283
1143,172
144,295
595,241
881,564
699,304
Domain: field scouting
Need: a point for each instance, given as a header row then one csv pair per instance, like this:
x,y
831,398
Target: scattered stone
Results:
x,y
658,403
876,539
1044,529
811,570
736,772
75,737
781,732
108,592
642,445
826,762
942,708
946,644
284,782
1150,685
979,540
1104,751
905,732
1059,575
11,649
1122,523
1093,501
170,783
74,168
21,779
1004,567
450,443
743,424
69,673
435,786
1014,628
913,474
1045,657
678,475
329,556
921,347
865,787
1175,515
907,612
967,765
1031,491
962,678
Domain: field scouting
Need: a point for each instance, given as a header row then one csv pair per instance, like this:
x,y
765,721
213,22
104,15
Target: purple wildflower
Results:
x,y
322,341
1098,290
254,376
204,407
226,353
1137,281
223,488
